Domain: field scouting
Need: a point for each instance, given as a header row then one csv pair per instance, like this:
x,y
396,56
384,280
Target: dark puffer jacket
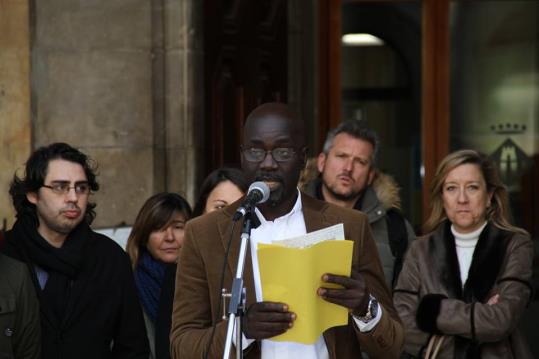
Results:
x,y
379,198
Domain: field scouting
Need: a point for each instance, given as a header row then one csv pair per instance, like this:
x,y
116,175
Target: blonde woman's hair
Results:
x,y
156,213
498,212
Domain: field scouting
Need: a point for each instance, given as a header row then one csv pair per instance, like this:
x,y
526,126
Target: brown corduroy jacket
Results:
x,y
198,294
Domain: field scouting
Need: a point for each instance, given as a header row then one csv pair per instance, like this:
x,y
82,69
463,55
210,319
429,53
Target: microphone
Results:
x,y
258,192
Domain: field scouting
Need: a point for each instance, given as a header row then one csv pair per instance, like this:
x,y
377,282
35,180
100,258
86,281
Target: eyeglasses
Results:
x,y
280,154
63,188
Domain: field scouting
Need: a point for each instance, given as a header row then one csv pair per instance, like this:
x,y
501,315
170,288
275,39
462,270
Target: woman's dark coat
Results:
x,y
430,298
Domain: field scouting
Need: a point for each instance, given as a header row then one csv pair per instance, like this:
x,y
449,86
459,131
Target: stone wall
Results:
x,y
111,78
92,88
15,129
123,81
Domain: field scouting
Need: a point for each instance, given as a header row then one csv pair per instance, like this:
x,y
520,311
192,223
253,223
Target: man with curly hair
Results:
x,y
88,301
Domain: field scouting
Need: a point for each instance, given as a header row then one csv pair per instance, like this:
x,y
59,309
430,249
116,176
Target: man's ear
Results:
x,y
321,162
32,197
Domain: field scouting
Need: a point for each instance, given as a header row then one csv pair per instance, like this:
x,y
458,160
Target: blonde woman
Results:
x,y
467,281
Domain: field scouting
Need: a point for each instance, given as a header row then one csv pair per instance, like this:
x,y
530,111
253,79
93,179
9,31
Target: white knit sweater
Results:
x,y
465,244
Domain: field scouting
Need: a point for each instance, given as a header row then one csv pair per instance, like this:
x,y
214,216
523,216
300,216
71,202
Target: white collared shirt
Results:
x,y
290,225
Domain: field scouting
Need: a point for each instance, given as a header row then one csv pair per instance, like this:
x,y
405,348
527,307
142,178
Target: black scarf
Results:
x,y
63,265
149,276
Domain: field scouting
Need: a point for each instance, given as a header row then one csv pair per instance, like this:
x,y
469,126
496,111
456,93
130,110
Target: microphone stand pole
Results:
x,y
236,308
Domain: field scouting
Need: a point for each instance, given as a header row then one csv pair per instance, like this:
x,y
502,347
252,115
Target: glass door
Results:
x,y
380,86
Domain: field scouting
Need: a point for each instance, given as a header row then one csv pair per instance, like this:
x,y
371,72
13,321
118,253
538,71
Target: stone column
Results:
x,y
15,126
184,95
122,81
92,86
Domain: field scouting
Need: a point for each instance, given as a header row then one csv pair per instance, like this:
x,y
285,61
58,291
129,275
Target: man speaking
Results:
x,y
273,151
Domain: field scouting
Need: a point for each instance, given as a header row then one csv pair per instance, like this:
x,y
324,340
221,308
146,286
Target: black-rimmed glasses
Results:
x,y
279,154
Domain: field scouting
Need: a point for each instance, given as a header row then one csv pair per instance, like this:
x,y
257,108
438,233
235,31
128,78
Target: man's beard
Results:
x,y
342,196
61,225
62,228
277,195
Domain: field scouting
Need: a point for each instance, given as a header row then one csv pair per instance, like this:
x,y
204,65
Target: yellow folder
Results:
x,y
293,275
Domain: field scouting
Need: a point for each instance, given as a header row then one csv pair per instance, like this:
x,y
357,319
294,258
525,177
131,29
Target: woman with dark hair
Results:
x,y
464,286
222,187
153,247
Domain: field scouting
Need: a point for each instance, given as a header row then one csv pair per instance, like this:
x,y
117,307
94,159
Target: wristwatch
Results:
x,y
372,310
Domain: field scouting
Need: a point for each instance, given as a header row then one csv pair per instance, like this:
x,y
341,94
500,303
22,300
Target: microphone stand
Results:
x,y
236,307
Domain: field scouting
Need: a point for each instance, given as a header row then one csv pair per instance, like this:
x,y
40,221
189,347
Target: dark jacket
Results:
x,y
19,312
103,318
198,293
429,295
376,202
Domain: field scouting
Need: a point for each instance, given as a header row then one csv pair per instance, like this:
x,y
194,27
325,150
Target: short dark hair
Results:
x,y
219,175
36,170
357,130
156,213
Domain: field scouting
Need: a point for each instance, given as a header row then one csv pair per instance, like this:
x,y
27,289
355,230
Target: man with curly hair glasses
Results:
x,y
88,301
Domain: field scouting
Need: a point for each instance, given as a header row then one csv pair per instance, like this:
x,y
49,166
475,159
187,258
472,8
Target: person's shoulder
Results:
x,y
11,246
423,240
330,210
106,253
346,214
519,238
11,265
519,234
309,187
12,273
106,245
212,219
